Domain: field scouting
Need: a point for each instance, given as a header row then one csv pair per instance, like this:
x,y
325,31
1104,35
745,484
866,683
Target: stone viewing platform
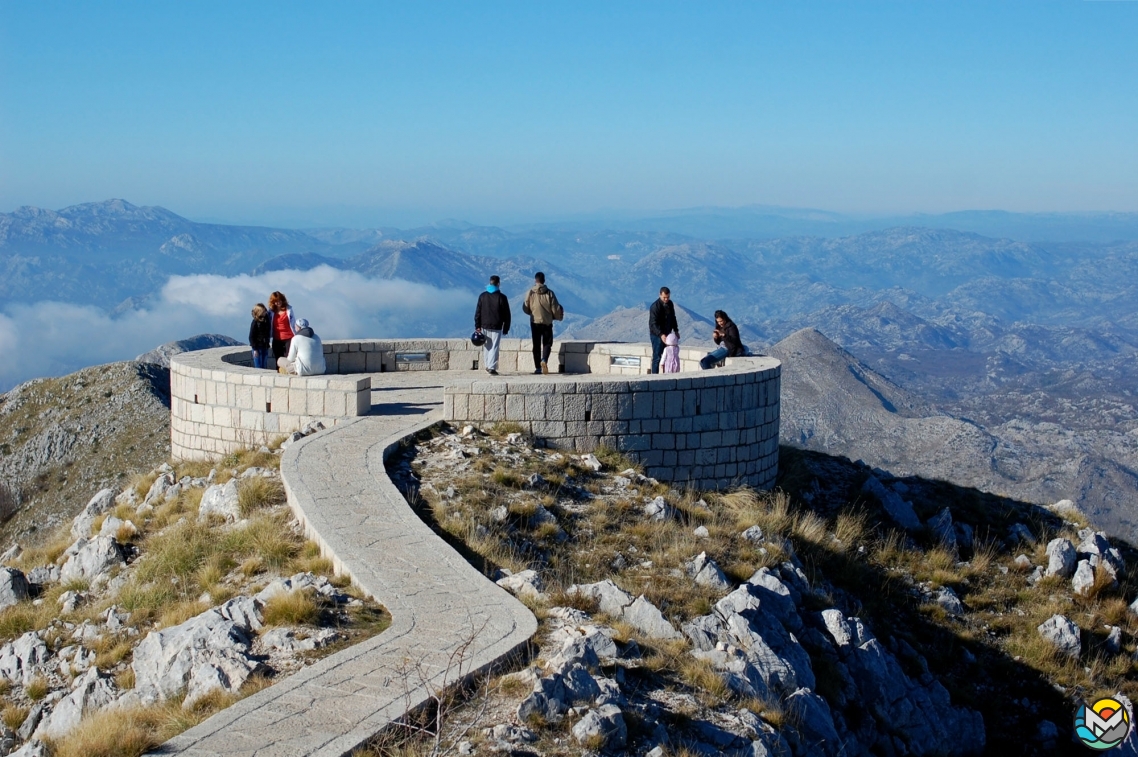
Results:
x,y
706,428
709,429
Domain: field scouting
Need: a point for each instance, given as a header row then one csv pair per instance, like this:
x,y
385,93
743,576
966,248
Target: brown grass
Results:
x,y
291,609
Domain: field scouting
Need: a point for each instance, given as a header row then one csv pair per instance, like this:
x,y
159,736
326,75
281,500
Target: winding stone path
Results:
x,y
445,614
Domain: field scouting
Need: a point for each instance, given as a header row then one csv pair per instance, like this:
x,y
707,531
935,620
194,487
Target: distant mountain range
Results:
x,y
1021,347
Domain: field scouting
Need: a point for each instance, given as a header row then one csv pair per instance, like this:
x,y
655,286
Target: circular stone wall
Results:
x,y
708,429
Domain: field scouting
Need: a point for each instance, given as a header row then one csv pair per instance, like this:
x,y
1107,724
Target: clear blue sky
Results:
x,y
394,113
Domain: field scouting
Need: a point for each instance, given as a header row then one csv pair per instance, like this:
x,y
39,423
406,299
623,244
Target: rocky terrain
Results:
x,y
161,603
853,612
88,430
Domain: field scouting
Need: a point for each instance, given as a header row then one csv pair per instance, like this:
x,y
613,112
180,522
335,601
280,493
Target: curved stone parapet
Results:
x,y
448,621
706,429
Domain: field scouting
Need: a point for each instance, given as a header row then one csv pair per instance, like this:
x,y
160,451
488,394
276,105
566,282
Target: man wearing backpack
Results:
x,y
492,320
543,309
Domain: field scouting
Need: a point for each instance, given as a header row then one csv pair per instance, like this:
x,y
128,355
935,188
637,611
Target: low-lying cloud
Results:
x,y
55,338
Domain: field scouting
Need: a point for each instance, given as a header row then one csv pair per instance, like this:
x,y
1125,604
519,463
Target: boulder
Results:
x,y
23,659
947,599
207,652
610,598
942,528
703,631
245,612
1113,641
736,670
1020,533
44,574
815,724
899,510
70,601
701,532
1061,558
602,728
1084,578
90,692
591,462
524,583
31,720
13,587
32,749
648,619
658,509
159,488
706,573
92,559
103,501
292,640
112,526
754,534
220,500
1063,634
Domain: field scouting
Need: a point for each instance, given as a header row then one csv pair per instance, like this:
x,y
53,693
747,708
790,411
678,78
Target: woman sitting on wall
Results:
x,y
726,335
284,324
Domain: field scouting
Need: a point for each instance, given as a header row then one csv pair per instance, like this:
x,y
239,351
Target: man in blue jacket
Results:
x,y
661,322
492,318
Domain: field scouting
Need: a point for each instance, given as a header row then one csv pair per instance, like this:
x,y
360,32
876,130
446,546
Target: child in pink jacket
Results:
x,y
671,359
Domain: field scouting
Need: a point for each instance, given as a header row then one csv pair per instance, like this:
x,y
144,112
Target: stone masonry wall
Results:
x,y
709,429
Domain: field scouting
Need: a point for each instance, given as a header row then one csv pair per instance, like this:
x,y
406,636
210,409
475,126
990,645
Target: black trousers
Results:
x,y
280,348
542,334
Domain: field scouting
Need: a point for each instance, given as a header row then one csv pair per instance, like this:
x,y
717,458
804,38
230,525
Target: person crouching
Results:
x,y
305,353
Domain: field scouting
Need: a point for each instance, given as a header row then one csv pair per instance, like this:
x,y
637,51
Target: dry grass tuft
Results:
x,y
13,716
258,492
292,608
37,689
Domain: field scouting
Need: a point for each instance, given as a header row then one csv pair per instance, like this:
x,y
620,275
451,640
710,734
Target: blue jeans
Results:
x,y
657,351
260,358
710,359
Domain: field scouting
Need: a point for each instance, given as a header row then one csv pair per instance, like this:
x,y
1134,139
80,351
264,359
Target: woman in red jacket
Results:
x,y
284,325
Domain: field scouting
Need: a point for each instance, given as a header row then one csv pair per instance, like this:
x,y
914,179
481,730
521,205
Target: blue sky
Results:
x,y
372,113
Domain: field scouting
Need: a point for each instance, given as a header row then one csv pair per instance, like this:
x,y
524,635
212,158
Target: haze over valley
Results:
x,y
1027,345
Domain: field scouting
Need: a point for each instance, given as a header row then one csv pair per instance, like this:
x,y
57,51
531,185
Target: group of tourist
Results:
x,y
294,346
297,350
492,322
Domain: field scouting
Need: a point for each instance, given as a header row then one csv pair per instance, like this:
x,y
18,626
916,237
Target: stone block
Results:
x,y
475,407
536,409
461,405
363,402
353,362
555,408
373,361
664,441
297,401
315,402
515,407
650,426
494,407
548,429
634,443
573,407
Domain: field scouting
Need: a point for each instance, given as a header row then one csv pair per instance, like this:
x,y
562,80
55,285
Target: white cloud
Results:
x,y
54,338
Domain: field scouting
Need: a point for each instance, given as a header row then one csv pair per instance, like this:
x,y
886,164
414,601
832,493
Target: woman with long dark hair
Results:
x,y
726,335
284,325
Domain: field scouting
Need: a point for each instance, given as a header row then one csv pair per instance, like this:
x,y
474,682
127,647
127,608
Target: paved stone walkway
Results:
x,y
445,615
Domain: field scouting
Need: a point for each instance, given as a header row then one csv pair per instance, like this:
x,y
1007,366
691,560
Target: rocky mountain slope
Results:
x,y
852,613
88,430
833,403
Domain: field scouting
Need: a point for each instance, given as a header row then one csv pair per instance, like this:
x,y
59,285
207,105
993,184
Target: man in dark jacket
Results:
x,y
726,335
492,319
661,322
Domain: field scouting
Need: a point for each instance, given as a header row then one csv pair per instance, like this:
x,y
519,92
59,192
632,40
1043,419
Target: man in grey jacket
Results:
x,y
543,309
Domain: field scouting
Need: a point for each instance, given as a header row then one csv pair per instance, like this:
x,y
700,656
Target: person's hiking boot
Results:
x,y
492,372
537,372
544,367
